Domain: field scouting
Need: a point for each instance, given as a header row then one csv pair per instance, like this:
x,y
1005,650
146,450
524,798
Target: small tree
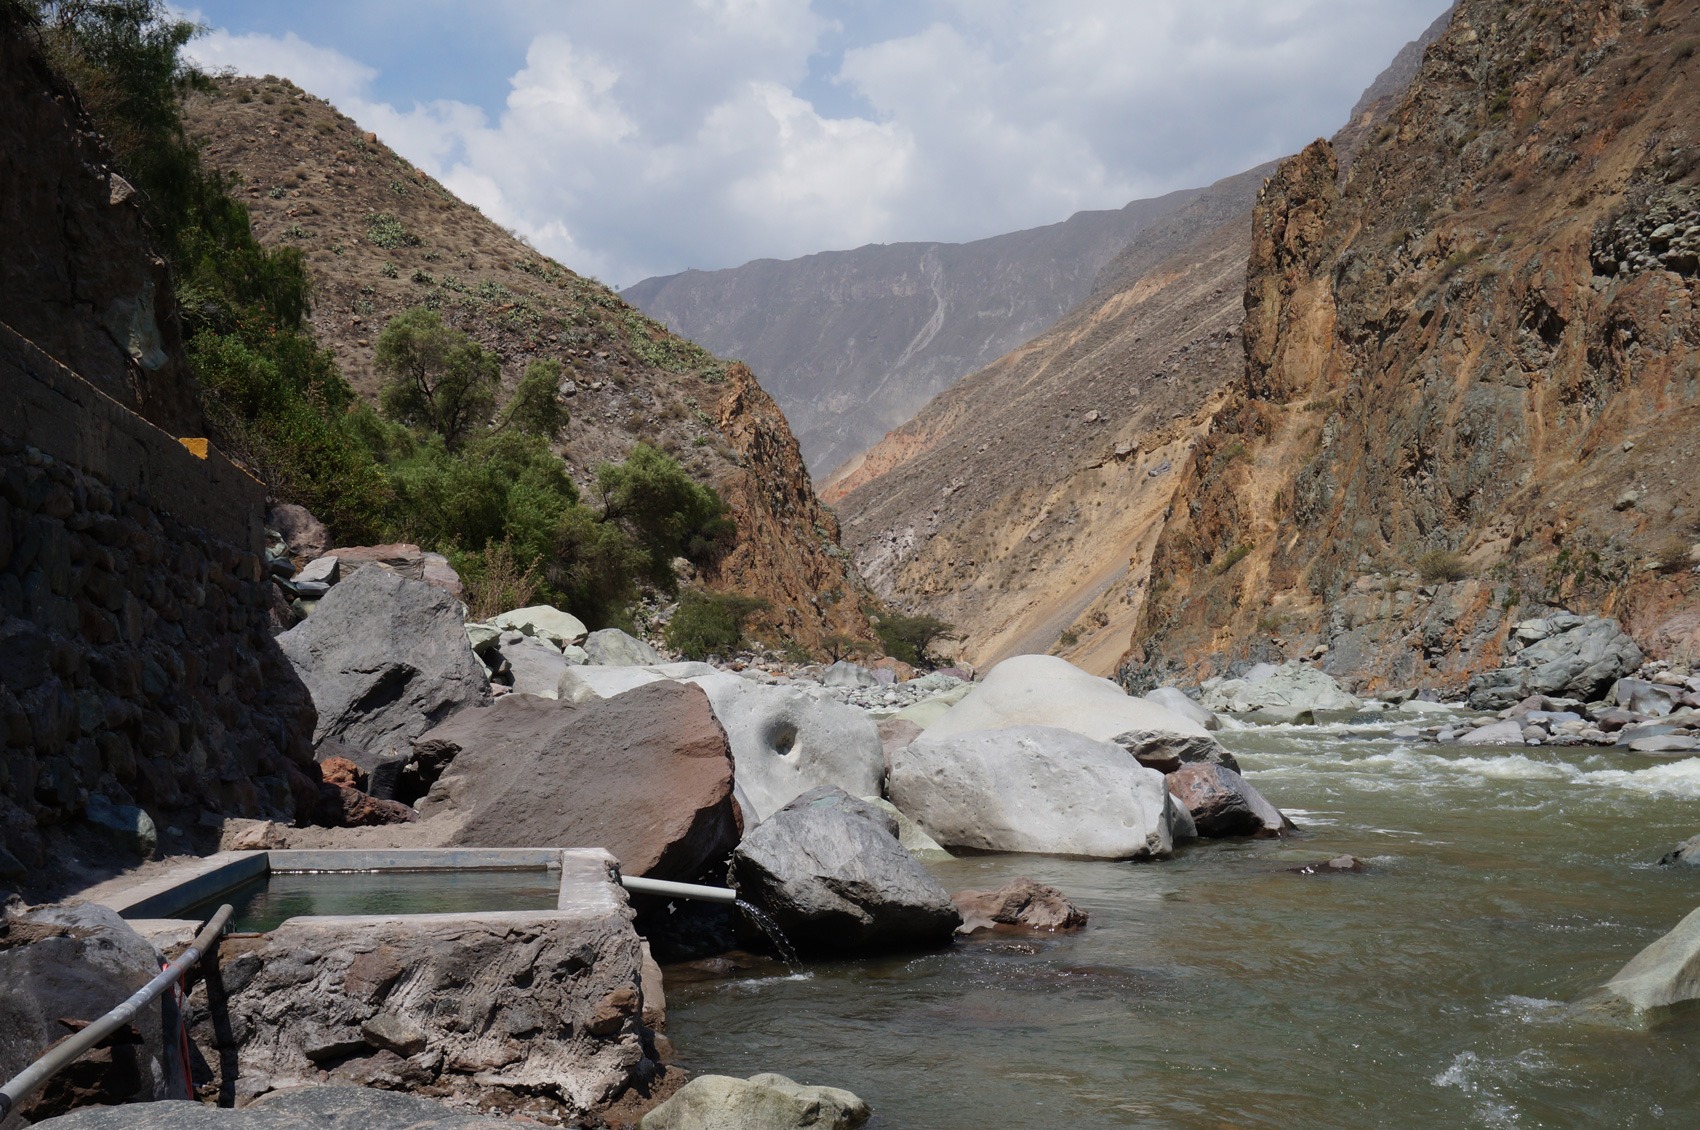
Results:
x,y
840,646
536,407
663,508
437,377
908,637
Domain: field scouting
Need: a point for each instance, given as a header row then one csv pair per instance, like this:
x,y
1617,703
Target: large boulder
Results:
x,y
322,1108
1223,803
385,659
404,559
533,666
1043,690
761,1102
786,742
590,682
304,534
1173,698
1035,789
1291,692
1659,978
1572,656
1643,697
76,963
646,775
545,622
611,647
828,868
1019,906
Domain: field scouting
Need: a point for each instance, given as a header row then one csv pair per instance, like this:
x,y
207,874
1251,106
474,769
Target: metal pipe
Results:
x,y
677,890
25,1084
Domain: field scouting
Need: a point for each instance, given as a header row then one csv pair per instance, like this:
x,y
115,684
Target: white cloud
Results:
x,y
649,136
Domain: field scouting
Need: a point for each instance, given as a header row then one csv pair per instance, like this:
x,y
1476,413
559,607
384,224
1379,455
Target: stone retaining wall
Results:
x,y
136,655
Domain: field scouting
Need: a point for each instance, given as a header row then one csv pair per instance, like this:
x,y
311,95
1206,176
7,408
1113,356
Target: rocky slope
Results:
x,y
380,237
851,343
1024,504
1020,504
1470,390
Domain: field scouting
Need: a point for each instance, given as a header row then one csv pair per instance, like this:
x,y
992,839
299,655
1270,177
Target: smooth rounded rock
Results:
x,y
1036,789
761,1102
1043,690
545,622
1019,906
1181,703
1223,803
1507,732
610,647
1287,693
1656,980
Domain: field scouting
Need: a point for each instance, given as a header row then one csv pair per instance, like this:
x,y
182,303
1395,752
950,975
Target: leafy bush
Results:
x,y
495,580
708,624
1233,557
436,377
384,230
1439,566
908,637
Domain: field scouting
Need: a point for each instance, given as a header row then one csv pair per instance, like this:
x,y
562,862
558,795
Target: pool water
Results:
x,y
1225,988
266,901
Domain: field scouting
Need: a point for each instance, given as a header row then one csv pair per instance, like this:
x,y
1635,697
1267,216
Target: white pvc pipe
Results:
x,y
670,889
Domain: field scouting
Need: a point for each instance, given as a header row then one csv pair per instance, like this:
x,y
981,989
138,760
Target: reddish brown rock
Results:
x,y
1018,906
343,807
342,772
1222,803
646,775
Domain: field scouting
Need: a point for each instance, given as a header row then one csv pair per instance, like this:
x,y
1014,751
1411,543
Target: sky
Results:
x,y
642,137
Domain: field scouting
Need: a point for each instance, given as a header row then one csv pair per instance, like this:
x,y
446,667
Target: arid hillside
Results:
x,y
1025,503
380,237
1471,389
1022,503
852,343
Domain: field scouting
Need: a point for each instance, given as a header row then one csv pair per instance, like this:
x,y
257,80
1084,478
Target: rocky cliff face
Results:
x,y
852,343
1471,390
1021,505
79,278
380,237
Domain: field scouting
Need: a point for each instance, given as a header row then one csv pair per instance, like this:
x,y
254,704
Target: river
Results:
x,y
1224,988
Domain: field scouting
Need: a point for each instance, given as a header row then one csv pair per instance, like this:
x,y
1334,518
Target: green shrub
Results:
x,y
708,624
1233,557
436,377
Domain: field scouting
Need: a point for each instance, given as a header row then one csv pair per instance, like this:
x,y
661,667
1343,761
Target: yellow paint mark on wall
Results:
x,y
197,447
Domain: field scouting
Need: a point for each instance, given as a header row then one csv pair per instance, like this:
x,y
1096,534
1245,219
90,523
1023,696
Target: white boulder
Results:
x,y
1289,693
1033,789
1173,698
1043,690
785,742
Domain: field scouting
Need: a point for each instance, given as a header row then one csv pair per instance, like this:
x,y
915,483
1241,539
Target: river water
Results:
x,y
1224,988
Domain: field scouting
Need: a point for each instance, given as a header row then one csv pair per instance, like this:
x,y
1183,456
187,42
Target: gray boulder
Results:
x,y
1508,732
535,667
78,962
1642,697
1034,789
786,742
1177,700
1168,752
830,871
1656,980
611,647
1574,656
1685,854
761,1102
1290,693
385,659
545,622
